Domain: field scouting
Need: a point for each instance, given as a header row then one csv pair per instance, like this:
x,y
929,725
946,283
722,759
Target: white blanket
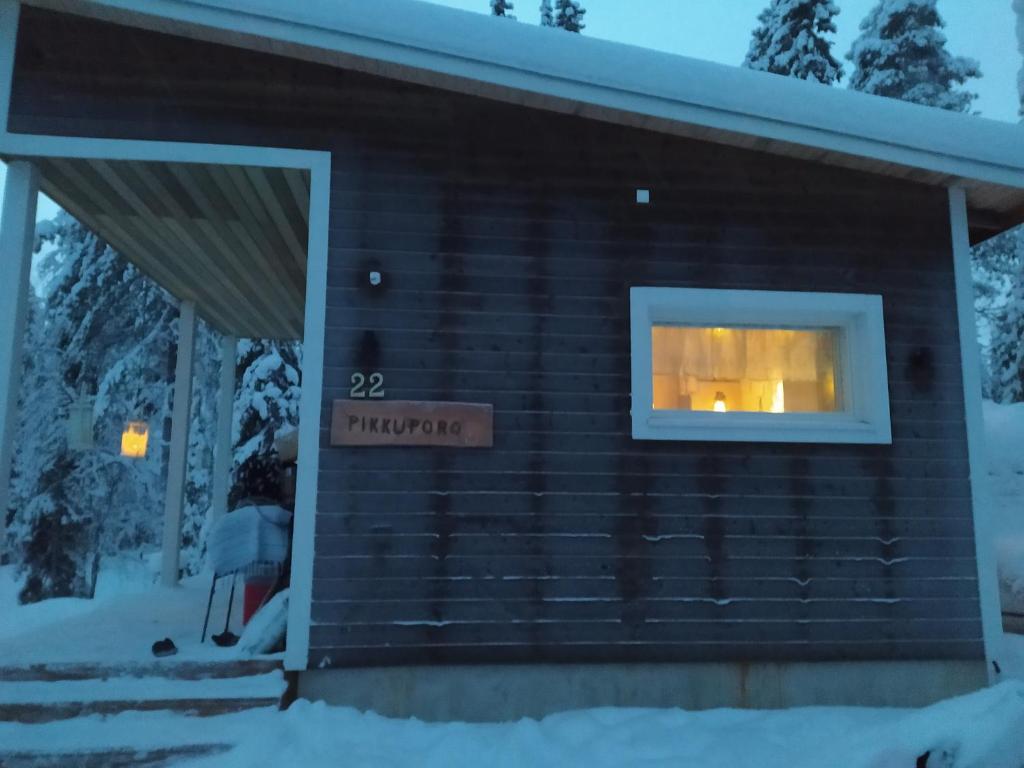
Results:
x,y
247,536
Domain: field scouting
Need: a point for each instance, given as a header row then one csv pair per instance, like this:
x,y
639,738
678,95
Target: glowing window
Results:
x,y
758,365
754,370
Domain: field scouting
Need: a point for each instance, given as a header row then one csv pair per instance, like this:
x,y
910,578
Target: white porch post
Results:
x,y
17,231
970,358
177,459
225,411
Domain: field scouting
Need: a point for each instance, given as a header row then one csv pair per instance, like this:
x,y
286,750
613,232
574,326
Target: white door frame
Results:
x,y
17,233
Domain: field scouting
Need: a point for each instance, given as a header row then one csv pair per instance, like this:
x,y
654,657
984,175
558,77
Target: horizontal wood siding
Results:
x,y
507,244
508,240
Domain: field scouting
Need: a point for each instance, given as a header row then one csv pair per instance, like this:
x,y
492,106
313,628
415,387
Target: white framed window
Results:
x,y
765,366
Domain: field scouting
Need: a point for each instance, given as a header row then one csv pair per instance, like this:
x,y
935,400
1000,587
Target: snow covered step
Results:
x,y
179,670
140,688
115,758
204,707
40,701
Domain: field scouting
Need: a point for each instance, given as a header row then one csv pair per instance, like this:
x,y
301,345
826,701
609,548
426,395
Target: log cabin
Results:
x,y
628,379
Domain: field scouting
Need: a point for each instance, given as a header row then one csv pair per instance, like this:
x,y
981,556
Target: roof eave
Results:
x,y
419,62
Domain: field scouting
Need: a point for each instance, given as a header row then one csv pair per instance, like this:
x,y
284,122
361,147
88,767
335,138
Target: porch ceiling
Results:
x,y
230,238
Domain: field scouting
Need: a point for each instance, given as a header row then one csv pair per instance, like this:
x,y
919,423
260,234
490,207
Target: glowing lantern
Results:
x,y
134,440
720,402
779,399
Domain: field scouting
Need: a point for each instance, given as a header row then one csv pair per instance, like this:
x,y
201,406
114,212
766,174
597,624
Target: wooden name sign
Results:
x,y
409,422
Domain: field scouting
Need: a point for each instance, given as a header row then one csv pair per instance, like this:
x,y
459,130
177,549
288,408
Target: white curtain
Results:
x,y
732,354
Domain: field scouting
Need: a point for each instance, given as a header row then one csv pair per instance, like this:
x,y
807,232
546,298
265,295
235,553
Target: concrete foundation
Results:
x,y
502,693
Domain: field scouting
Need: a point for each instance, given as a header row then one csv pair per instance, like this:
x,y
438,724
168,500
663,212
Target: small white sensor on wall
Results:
x,y
643,196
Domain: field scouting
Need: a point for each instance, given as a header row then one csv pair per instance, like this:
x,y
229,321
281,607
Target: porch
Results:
x,y
236,236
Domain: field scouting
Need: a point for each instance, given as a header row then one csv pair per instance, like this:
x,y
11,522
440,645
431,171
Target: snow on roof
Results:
x,y
545,62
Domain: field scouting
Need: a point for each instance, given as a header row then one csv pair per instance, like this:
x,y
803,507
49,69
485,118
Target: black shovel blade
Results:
x,y
225,639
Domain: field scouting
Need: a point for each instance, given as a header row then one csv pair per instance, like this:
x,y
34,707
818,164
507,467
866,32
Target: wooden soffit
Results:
x,y
230,238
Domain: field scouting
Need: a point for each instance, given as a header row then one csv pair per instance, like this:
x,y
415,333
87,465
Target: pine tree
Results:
x,y
1004,256
104,329
761,39
569,15
547,16
901,53
267,404
502,8
792,39
995,265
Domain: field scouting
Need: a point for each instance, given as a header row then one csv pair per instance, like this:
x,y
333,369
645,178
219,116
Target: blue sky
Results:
x,y
719,30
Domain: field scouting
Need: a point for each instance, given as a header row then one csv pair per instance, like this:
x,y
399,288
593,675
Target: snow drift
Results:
x,y
982,730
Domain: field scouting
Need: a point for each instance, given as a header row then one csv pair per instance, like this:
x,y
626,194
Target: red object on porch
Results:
x,y
256,590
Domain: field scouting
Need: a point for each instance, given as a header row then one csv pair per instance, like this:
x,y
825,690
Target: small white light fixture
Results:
x,y
643,197
375,279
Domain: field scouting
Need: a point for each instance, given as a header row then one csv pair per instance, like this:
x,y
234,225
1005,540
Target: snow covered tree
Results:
x,y
995,265
901,53
547,15
55,542
502,8
761,39
267,404
104,329
1003,259
792,39
569,15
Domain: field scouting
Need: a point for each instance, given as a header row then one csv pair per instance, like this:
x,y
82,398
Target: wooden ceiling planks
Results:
x,y
231,239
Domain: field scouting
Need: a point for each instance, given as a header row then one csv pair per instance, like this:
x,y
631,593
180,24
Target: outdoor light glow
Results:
x,y
779,399
720,402
134,440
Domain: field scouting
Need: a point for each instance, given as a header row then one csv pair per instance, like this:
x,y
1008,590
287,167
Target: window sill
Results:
x,y
761,428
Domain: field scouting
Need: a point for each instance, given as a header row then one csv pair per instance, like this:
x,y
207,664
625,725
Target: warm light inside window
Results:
x,y
769,370
134,440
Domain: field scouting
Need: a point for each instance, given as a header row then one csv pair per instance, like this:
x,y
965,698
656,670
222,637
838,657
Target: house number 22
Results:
x,y
359,389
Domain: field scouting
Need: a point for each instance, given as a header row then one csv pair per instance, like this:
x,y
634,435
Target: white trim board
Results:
x,y
863,371
319,166
17,230
478,54
970,358
33,145
300,599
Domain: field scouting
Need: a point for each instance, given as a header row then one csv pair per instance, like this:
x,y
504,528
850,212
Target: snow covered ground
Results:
x,y
982,730
128,614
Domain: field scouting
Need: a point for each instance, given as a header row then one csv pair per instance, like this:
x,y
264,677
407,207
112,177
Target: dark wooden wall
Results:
x,y
508,240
